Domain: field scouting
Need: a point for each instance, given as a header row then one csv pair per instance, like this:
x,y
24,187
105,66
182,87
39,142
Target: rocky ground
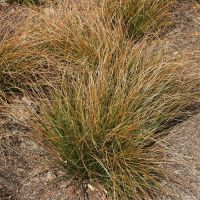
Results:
x,y
27,172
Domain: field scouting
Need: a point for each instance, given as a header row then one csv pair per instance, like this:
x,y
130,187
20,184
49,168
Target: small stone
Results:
x,y
30,105
175,53
31,145
91,187
50,176
63,185
49,11
26,101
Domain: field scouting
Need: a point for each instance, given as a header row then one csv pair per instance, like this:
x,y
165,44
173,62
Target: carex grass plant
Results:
x,y
18,64
103,123
10,52
73,33
26,2
22,66
69,31
66,32
137,17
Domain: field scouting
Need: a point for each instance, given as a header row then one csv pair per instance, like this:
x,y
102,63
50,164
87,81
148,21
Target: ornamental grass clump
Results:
x,y
70,31
72,34
22,66
65,32
26,2
137,17
11,51
104,124
104,120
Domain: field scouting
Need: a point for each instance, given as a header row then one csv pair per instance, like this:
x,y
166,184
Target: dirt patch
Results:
x,y
184,34
182,147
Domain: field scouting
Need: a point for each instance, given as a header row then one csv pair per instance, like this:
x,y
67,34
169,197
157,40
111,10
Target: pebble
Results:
x,y
50,176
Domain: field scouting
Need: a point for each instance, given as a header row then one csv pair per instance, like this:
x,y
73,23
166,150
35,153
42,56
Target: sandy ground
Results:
x,y
27,172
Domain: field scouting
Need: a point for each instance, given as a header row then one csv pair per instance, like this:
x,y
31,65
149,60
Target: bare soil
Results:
x,y
28,173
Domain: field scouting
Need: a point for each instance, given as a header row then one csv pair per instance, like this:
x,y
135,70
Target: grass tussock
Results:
x,y
18,65
64,33
137,17
104,124
26,2
50,38
69,37
77,32
22,66
10,52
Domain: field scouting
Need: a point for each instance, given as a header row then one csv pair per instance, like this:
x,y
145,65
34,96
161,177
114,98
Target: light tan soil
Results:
x,y
27,172
183,142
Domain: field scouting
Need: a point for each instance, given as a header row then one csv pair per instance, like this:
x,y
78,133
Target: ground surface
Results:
x,y
25,170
